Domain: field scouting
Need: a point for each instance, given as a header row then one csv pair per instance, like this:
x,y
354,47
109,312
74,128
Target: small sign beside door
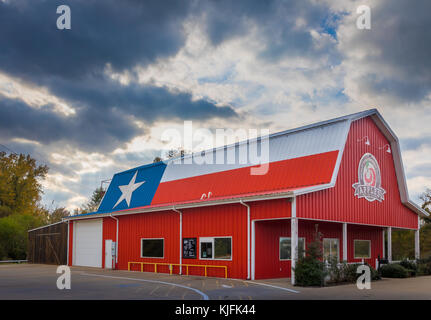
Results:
x,y
189,248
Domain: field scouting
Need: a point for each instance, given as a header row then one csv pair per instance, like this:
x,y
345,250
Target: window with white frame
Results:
x,y
362,249
152,248
331,248
216,248
285,248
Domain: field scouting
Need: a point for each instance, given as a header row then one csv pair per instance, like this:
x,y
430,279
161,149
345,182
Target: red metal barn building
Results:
x,y
343,176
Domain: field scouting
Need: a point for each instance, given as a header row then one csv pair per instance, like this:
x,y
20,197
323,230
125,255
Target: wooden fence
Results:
x,y
48,245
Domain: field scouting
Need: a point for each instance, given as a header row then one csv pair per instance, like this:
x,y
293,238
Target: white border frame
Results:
x,y
279,253
211,239
140,254
323,247
369,249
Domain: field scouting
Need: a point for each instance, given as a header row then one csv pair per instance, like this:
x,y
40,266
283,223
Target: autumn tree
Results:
x,y
20,187
20,210
426,204
58,214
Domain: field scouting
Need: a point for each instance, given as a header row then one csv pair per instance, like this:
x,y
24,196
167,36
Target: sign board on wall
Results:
x,y
189,248
369,185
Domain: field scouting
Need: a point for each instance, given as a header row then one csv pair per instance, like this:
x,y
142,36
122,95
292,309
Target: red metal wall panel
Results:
x,y
307,230
273,209
374,234
268,233
132,228
340,204
267,256
109,233
223,220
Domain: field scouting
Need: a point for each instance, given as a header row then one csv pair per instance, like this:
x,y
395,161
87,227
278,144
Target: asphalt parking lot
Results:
x,y
27,281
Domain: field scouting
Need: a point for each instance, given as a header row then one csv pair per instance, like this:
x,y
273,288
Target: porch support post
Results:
x,y
253,248
383,244
293,240
390,244
417,245
345,242
417,240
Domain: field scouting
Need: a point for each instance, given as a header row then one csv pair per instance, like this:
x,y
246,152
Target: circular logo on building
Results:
x,y
369,185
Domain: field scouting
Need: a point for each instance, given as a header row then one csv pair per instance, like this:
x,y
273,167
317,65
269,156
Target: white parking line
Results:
x,y
205,297
268,285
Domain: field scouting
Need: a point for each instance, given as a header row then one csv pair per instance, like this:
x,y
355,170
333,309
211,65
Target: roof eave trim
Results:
x,y
288,194
413,206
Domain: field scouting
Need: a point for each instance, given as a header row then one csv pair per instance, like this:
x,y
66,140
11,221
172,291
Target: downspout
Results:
x,y
116,238
181,236
67,240
248,238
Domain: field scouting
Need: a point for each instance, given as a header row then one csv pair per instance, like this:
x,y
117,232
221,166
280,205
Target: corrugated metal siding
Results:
x,y
294,173
109,233
267,261
355,232
282,146
273,209
226,220
149,225
340,204
268,264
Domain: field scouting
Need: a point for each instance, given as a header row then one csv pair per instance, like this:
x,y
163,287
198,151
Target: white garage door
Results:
x,y
88,243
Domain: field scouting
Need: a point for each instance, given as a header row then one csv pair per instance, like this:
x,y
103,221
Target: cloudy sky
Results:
x,y
93,100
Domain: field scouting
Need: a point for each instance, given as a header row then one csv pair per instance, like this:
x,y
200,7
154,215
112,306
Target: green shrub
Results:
x,y
350,272
394,270
347,273
408,265
375,275
424,267
309,272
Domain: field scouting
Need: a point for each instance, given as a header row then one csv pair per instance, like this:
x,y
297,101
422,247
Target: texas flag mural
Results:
x,y
132,188
298,159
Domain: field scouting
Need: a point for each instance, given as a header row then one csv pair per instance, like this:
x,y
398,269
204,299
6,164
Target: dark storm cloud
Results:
x,y
71,63
104,117
122,34
275,22
147,103
399,44
87,129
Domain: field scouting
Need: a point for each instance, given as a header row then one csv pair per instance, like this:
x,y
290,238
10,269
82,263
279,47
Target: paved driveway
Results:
x,y
28,281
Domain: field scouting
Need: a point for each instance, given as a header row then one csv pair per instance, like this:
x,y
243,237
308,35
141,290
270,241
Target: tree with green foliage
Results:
x,y
20,194
20,187
426,204
403,241
403,244
425,241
